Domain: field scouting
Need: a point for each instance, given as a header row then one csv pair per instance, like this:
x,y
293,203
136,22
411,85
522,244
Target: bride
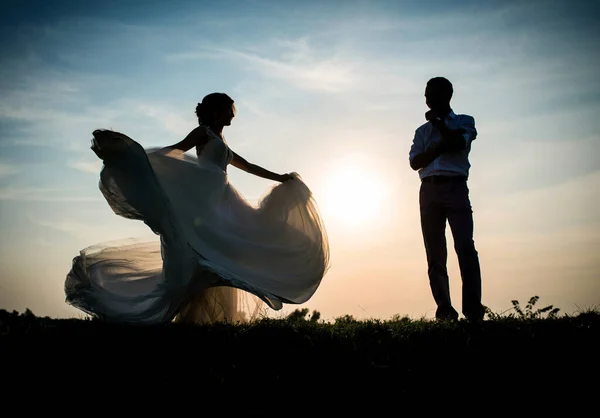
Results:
x,y
216,257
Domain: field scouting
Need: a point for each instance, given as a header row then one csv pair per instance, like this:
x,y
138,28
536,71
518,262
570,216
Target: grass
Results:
x,y
527,352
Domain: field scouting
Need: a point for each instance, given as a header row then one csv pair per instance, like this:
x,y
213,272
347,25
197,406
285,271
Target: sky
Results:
x,y
334,91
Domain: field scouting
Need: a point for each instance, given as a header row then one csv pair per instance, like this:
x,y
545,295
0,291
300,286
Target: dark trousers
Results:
x,y
444,199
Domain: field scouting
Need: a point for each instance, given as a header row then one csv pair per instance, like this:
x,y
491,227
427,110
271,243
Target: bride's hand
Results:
x,y
285,177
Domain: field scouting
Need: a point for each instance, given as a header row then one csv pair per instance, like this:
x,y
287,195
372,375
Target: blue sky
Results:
x,y
320,87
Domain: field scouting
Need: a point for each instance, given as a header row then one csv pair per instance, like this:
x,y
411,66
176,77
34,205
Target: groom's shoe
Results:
x,y
446,313
475,315
474,319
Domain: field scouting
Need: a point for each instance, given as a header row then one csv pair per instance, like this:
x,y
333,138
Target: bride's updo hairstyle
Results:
x,y
212,105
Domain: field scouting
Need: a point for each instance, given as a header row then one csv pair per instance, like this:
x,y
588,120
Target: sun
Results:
x,y
354,192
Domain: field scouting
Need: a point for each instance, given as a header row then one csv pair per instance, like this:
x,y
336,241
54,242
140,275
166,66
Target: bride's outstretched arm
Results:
x,y
197,137
244,165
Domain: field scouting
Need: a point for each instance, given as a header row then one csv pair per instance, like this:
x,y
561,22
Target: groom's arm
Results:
x,y
454,140
420,157
425,158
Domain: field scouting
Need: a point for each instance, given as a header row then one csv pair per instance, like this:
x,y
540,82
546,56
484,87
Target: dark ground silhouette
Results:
x,y
507,359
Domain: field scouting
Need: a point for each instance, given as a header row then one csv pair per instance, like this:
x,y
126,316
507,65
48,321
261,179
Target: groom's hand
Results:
x,y
435,120
438,124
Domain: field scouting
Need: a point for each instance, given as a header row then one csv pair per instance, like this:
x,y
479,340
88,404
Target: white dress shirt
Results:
x,y
447,164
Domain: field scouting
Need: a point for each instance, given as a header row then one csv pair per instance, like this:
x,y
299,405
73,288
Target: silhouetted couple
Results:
x,y
216,257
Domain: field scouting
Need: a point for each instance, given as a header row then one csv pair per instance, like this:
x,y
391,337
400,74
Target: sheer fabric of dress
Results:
x,y
216,257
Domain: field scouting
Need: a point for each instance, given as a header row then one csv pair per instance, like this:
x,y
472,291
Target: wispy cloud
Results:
x,y
87,166
7,170
45,105
331,75
93,230
548,210
45,195
291,60
74,228
170,119
531,162
68,124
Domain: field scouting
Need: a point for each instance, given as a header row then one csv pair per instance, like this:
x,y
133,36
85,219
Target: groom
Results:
x,y
439,152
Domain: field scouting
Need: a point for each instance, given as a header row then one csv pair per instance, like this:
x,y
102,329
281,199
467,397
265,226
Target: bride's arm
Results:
x,y
198,137
244,165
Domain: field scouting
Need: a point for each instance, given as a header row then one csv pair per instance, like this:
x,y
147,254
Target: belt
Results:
x,y
443,179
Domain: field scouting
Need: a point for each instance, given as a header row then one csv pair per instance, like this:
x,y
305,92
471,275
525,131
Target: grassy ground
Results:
x,y
527,353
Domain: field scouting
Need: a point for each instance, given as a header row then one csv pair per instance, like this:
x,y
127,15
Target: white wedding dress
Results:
x,y
216,257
